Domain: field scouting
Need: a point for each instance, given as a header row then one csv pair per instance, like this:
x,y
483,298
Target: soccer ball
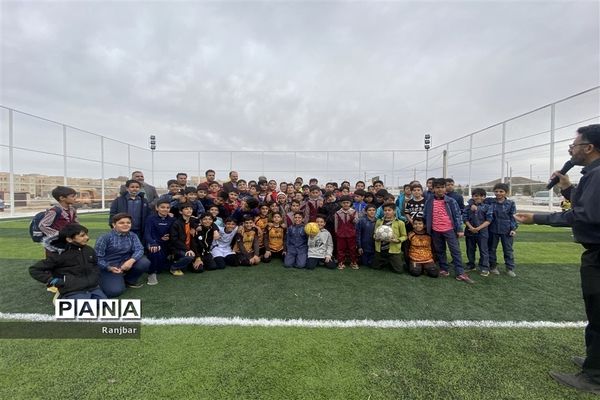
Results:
x,y
312,229
384,233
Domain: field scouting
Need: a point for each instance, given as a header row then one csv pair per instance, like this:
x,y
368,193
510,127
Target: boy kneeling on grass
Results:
x,y
420,253
390,252
72,271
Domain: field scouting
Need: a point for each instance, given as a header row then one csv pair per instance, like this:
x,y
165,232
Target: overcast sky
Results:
x,y
293,75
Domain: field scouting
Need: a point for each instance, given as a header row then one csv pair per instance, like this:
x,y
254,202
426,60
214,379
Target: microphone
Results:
x,y
552,182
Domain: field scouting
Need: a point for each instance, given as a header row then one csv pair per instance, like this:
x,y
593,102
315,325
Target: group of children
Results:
x,y
211,226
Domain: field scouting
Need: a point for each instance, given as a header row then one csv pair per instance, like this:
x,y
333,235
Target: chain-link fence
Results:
x,y
37,154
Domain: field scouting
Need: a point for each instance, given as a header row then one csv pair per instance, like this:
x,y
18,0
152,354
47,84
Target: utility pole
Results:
x,y
152,148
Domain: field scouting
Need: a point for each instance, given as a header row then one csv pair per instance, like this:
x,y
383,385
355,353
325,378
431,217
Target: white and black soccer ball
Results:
x,y
384,233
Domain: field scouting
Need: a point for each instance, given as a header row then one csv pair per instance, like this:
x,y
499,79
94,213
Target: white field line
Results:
x,y
326,323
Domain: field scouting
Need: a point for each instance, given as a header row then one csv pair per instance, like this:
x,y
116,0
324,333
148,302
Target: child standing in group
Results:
x,y
294,208
275,237
389,252
156,237
320,247
232,202
444,224
73,271
477,217
364,236
296,248
313,203
191,195
502,229
133,203
214,211
58,217
261,221
420,253
415,206
222,251
359,204
174,196
345,232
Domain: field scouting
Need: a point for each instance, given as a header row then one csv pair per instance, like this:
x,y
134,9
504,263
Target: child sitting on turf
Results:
x,y
390,252
477,217
296,250
222,251
182,234
73,270
246,243
364,236
275,237
420,253
345,232
444,223
502,230
156,237
320,247
206,233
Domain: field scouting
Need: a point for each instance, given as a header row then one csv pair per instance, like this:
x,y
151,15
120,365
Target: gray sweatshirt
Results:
x,y
320,245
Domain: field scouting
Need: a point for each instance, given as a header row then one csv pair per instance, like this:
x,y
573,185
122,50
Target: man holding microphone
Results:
x,y
584,219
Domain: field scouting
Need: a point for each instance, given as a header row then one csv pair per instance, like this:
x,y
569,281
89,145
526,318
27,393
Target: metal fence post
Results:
x,y
470,162
102,185
129,159
64,154
552,150
11,163
503,157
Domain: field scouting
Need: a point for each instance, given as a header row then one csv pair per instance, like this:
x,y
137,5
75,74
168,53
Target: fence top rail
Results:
x,y
290,151
516,117
69,126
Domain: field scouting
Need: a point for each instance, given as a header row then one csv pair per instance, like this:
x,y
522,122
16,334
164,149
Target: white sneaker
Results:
x,y
152,279
511,273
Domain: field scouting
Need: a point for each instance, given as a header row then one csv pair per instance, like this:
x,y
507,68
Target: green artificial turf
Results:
x,y
184,362
547,286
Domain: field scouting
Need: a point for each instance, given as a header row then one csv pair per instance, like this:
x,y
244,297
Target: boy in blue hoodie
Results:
x,y
156,237
477,217
364,236
296,253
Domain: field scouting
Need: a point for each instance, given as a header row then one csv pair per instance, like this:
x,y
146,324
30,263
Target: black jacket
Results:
x,y
177,236
76,266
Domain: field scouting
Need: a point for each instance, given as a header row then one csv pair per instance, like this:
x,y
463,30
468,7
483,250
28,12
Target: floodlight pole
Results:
x,y
152,148
427,144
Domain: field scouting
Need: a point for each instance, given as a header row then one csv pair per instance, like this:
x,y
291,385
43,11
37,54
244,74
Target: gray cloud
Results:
x,y
284,76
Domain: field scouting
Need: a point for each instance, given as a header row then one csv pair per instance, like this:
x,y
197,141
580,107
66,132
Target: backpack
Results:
x,y
34,226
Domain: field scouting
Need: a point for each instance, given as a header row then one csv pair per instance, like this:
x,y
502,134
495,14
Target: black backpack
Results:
x,y
34,226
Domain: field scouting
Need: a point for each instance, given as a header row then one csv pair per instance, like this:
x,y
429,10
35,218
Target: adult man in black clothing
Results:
x,y
584,219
